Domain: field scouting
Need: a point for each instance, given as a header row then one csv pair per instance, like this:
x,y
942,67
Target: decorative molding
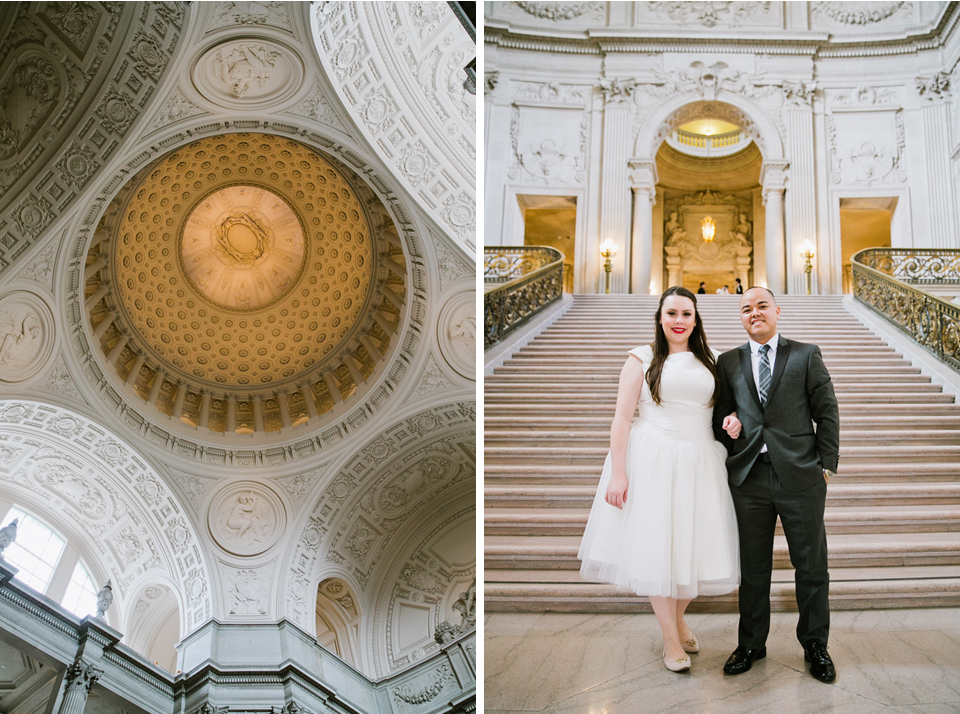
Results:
x,y
245,13
558,11
59,381
856,13
176,108
711,14
617,91
934,86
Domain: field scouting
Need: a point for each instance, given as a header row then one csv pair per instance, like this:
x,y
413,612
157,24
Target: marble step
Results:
x,y
532,424
840,494
850,473
844,550
593,456
850,589
513,521
849,437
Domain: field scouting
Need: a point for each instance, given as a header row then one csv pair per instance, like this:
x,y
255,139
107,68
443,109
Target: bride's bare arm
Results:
x,y
628,394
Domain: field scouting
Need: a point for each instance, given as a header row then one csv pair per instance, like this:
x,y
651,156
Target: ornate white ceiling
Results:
x,y
138,89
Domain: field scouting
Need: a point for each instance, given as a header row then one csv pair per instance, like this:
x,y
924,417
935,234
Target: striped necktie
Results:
x,y
764,374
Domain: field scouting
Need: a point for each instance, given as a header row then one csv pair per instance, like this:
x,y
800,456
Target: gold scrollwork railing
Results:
x,y
882,280
527,279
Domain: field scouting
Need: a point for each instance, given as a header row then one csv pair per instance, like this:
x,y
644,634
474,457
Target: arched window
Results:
x,y
48,564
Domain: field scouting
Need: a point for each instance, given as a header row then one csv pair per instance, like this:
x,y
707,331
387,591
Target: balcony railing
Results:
x,y
520,283
715,145
884,279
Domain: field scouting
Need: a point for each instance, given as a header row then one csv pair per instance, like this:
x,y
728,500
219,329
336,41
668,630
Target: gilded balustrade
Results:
x,y
524,281
884,278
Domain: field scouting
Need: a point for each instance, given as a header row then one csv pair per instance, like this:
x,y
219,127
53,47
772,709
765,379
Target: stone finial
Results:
x,y
8,534
104,598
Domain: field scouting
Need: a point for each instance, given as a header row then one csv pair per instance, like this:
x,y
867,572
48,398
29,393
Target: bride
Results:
x,y
663,522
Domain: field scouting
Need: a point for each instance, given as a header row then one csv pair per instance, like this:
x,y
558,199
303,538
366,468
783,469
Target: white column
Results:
x,y
258,414
80,678
117,349
205,398
803,200
776,249
231,425
155,387
773,177
615,196
643,177
309,400
941,208
137,366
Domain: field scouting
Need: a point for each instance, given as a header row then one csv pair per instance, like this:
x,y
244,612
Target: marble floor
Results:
x,y
889,661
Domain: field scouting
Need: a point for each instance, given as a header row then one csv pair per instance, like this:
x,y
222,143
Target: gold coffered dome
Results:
x,y
245,262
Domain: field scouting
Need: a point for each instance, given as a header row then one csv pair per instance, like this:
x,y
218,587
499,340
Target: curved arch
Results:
x,y
339,608
431,561
735,108
151,620
377,488
121,509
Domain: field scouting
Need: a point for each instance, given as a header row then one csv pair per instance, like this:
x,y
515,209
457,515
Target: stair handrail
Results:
x,y
530,277
887,279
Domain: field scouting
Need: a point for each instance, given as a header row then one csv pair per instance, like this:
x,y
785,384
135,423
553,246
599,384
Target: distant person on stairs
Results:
x,y
702,290
779,466
663,522
739,288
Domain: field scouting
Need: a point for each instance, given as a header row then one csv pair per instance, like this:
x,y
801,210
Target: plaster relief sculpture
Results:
x,y
858,13
424,688
248,73
26,339
246,518
466,605
27,96
557,11
743,232
266,12
104,598
711,14
457,333
247,591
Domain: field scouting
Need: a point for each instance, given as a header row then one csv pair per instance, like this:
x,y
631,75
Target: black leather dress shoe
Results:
x,y
821,666
742,659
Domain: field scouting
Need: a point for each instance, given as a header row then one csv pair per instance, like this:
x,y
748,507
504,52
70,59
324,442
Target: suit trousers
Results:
x,y
758,501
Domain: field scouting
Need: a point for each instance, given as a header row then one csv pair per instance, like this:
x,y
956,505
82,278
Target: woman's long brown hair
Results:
x,y
661,350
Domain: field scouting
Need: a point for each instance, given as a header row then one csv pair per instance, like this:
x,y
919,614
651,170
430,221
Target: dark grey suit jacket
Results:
x,y
801,395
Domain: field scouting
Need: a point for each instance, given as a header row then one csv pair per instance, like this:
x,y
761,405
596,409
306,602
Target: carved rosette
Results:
x,y
26,336
246,518
247,74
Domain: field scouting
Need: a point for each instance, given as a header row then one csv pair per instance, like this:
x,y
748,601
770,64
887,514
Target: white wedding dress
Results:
x,y
677,533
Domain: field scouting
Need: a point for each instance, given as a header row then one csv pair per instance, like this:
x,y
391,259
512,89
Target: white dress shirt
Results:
x,y
755,364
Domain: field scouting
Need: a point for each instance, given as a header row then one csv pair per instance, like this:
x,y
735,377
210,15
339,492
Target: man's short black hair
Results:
x,y
760,287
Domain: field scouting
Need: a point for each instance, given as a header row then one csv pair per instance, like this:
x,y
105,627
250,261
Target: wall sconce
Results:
x,y
608,249
708,228
807,253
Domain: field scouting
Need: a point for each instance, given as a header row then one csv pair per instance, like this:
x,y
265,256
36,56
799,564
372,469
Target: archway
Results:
x,y
745,191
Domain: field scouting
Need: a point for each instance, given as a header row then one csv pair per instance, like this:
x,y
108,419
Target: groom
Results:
x,y
779,465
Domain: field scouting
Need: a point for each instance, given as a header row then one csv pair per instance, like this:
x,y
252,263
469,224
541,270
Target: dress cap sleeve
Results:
x,y
643,353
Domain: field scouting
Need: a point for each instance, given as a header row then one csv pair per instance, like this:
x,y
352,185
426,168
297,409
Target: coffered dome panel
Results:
x,y
243,283
238,284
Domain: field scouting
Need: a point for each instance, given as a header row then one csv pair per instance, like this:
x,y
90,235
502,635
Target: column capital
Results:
x,y
773,175
82,676
643,174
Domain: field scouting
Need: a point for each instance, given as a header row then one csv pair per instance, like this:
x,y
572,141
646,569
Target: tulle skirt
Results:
x,y
677,533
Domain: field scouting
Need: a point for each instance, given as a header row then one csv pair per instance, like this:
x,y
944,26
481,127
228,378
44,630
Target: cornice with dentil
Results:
x,y
724,32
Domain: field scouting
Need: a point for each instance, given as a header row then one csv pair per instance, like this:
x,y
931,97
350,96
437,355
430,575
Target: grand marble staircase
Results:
x,y
893,511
